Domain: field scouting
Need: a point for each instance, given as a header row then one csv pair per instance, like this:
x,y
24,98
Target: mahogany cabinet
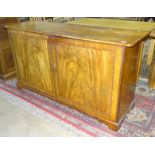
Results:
x,y
7,68
91,69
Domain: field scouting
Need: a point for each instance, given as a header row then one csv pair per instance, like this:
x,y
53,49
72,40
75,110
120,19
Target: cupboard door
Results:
x,y
84,77
31,56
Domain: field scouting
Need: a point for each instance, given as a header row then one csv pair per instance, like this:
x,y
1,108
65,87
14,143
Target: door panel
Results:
x,y
84,77
31,55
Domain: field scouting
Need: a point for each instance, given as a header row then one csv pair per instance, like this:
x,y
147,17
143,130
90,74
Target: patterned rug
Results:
x,y
140,121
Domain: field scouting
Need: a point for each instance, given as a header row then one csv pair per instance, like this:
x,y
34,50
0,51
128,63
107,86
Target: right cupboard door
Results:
x,y
84,77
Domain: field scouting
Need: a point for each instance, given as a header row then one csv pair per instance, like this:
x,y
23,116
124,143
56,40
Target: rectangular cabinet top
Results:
x,y
115,23
83,32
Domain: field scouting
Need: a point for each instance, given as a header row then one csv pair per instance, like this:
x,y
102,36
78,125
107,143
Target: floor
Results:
x,y
23,114
16,122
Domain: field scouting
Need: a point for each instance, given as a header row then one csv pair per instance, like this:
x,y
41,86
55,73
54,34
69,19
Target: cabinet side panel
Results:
x,y
129,77
118,67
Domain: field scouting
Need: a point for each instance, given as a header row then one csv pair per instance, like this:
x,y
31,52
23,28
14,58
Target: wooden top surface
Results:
x,y
83,32
115,23
152,34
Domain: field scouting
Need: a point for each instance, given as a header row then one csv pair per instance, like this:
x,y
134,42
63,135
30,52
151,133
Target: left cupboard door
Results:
x,y
32,62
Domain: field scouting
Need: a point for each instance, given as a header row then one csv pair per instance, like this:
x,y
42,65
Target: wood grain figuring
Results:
x,y
128,79
94,77
32,59
125,25
80,72
7,69
118,62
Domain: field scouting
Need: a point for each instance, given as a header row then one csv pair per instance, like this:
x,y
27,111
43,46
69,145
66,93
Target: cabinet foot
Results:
x,y
19,86
113,127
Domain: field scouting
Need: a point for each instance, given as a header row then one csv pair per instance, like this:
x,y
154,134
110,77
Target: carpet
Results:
x,y
139,122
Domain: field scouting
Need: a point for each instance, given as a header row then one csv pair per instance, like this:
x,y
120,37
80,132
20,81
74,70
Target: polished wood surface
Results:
x,y
115,23
152,76
140,56
129,76
83,32
151,61
32,61
7,69
94,77
122,24
80,72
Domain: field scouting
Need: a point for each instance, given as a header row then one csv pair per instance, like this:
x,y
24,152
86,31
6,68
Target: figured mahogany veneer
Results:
x,y
91,69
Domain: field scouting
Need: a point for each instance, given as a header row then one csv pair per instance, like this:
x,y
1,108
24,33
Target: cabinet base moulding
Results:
x,y
8,76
